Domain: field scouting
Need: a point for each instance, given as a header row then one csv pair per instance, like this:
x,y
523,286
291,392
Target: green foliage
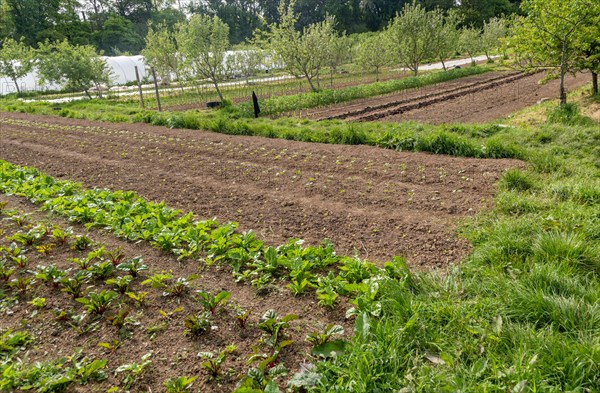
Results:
x,y
494,31
134,371
302,53
469,41
121,284
516,180
161,52
322,346
179,384
77,67
212,363
411,36
12,342
203,43
556,34
97,303
272,324
16,61
197,324
118,36
133,266
568,114
369,55
51,275
210,302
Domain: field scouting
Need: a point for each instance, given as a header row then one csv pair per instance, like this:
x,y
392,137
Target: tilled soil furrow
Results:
x,y
359,104
460,88
377,203
432,99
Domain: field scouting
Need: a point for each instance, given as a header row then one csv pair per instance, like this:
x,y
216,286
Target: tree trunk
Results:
x,y
443,64
415,69
594,83
179,81
376,74
17,86
312,86
87,93
218,91
563,71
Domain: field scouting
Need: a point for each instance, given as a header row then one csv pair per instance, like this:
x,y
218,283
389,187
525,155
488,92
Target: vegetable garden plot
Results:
x,y
104,312
472,99
368,201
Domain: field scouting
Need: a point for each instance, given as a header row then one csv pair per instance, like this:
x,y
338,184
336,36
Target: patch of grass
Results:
x,y
568,114
516,180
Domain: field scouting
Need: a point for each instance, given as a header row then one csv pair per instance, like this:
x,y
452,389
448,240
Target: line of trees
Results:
x,y
560,35
119,26
75,67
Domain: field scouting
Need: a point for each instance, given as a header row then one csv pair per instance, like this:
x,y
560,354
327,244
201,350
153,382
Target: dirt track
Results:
x,y
479,98
368,200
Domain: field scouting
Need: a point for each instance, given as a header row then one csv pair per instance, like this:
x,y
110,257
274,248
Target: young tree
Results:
x,y
494,31
444,40
247,62
303,54
550,35
370,56
589,47
410,36
16,60
74,66
469,42
339,52
161,52
203,43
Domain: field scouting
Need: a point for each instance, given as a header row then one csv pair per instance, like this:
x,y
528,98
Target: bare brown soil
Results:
x,y
373,202
173,353
479,98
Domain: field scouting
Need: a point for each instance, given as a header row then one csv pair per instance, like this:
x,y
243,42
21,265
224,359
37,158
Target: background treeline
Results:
x,y
119,26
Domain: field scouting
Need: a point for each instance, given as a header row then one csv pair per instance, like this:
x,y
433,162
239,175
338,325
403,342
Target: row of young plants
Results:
x,y
304,268
483,141
106,292
280,104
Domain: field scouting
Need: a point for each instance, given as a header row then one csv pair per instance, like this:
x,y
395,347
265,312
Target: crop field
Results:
x,y
368,201
472,99
138,257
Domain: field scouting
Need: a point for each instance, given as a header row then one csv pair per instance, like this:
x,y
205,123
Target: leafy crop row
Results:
x,y
98,292
129,216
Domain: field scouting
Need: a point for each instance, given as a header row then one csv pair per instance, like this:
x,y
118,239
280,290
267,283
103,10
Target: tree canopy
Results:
x,y
120,25
76,67
558,34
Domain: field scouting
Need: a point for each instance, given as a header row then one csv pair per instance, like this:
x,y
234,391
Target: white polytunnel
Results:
x,y
122,71
123,68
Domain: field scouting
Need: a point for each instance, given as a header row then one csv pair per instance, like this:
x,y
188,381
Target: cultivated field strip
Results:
x,y
376,202
356,111
432,99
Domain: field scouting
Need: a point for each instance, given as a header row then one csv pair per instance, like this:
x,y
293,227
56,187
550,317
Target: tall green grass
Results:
x,y
522,313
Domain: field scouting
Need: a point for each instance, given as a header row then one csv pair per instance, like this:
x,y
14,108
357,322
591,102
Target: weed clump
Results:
x,y
516,180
